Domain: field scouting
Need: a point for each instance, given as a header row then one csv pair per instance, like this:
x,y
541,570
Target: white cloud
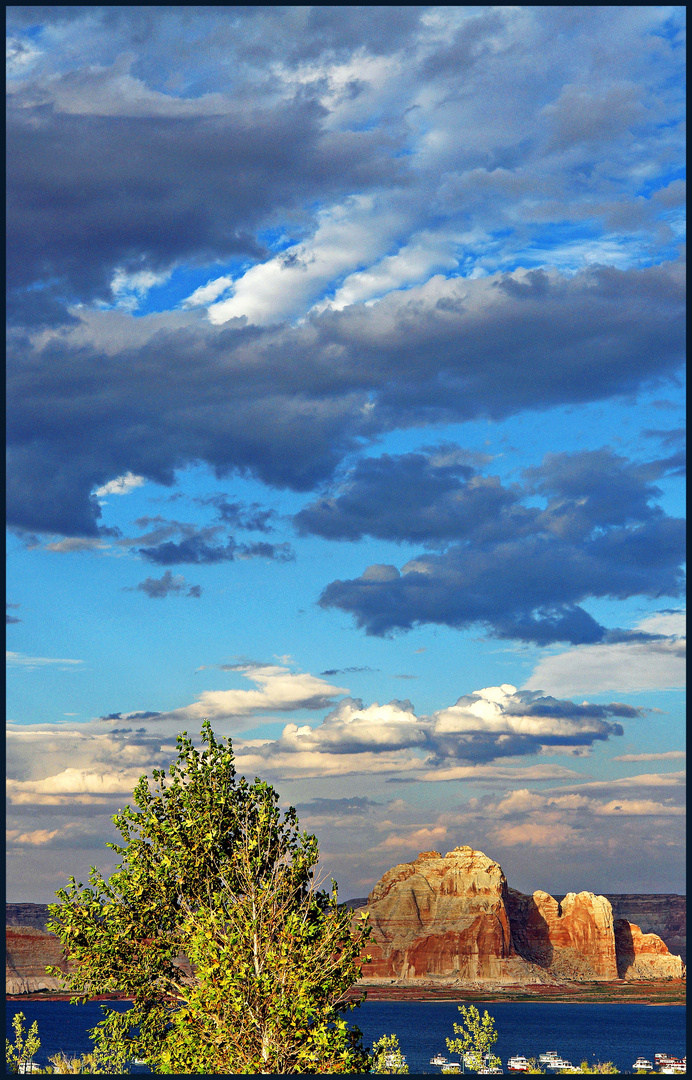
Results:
x,y
96,90
206,294
76,543
348,236
130,288
672,623
73,781
639,808
256,758
37,837
280,690
668,755
16,659
417,840
121,485
627,666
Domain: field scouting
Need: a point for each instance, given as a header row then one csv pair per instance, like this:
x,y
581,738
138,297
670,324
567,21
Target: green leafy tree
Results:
x,y
387,1056
475,1038
212,923
25,1043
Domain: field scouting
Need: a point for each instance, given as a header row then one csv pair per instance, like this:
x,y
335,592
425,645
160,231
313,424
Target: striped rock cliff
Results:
x,y
28,950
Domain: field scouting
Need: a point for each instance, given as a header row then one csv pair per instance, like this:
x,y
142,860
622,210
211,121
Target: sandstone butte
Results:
x,y
453,920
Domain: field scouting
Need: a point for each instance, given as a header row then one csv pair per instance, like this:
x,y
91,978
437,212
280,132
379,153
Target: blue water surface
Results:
x,y
617,1033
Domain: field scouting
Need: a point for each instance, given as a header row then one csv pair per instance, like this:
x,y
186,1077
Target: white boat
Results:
x,y
642,1063
668,1063
393,1058
553,1062
548,1057
28,1067
518,1063
438,1060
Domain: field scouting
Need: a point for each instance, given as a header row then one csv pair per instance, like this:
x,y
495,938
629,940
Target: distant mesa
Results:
x,y
453,920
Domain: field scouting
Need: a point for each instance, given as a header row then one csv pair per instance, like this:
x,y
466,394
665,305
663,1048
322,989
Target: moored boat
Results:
x,y
642,1063
668,1063
518,1063
438,1059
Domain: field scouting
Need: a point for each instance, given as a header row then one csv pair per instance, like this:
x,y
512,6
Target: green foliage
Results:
x,y
87,1063
475,1038
210,870
387,1057
599,1067
534,1066
25,1044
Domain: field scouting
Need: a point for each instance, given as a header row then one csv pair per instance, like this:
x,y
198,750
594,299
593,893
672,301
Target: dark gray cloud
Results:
x,y
132,716
239,515
153,394
190,186
346,670
196,549
413,497
530,588
8,617
337,807
159,588
523,571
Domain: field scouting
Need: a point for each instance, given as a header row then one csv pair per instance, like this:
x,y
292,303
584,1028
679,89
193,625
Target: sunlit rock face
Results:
x,y
443,918
453,919
643,956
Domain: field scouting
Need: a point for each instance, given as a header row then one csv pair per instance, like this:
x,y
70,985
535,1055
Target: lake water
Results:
x,y
617,1033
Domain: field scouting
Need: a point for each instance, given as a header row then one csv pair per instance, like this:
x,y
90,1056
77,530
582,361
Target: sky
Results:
x,y
345,409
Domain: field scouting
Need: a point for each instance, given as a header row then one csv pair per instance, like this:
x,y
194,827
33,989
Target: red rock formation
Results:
x,y
454,919
443,919
664,914
643,956
577,933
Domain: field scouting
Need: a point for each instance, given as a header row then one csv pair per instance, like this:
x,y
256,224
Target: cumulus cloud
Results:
x,y
451,744
8,617
522,571
414,497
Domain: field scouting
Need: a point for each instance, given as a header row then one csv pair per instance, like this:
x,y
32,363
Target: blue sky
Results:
x,y
346,408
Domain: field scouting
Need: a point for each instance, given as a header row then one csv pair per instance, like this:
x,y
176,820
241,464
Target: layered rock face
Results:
x,y
573,939
28,952
656,913
643,956
442,917
453,919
